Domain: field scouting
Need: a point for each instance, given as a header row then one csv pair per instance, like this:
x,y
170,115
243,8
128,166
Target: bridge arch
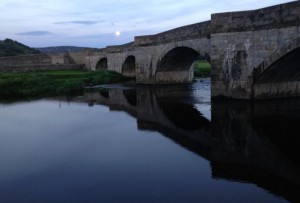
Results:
x,y
279,74
175,65
177,59
129,66
102,64
276,55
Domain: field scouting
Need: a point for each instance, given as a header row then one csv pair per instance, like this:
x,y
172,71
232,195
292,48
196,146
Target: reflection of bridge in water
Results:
x,y
254,143
154,111
257,143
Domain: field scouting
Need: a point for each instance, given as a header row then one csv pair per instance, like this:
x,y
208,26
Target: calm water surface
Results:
x,y
146,144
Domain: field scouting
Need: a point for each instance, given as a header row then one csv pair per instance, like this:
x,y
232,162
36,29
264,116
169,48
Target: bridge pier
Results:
x,y
241,41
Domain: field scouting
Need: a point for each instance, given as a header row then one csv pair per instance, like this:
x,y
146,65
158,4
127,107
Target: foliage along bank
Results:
x,y
50,83
202,68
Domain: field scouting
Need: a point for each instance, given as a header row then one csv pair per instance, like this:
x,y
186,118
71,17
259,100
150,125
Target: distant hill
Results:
x,y
60,49
10,47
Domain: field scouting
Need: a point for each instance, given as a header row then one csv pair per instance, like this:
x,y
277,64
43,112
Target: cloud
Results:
x,y
79,22
35,33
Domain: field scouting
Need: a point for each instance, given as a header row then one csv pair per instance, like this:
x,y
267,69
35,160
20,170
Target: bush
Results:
x,y
202,68
47,83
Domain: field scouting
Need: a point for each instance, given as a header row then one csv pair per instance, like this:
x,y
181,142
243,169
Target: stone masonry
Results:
x,y
242,41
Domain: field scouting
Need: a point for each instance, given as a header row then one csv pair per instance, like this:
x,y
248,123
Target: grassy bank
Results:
x,y
202,68
49,83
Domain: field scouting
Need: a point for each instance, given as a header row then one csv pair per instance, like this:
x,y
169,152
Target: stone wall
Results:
x,y
90,57
39,62
240,41
61,58
25,60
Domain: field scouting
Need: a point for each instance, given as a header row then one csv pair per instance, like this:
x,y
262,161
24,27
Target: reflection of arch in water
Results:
x,y
247,145
279,122
184,116
116,99
180,122
104,93
130,96
190,130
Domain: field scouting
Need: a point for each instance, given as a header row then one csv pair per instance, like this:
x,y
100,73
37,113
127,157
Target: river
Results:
x,y
149,144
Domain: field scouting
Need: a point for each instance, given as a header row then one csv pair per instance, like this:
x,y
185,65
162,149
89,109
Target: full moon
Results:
x,y
118,33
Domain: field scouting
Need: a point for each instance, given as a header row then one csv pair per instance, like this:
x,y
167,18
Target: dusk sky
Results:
x,y
94,23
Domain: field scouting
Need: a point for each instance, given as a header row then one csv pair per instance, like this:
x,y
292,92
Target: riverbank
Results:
x,y
49,83
202,68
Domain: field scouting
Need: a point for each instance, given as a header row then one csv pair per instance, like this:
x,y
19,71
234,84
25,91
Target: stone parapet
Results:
x,y
279,16
120,48
25,60
198,30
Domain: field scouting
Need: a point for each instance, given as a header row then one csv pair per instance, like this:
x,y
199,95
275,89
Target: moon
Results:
x,y
118,33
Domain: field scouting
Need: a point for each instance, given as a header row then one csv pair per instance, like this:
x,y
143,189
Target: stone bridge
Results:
x,y
163,58
253,54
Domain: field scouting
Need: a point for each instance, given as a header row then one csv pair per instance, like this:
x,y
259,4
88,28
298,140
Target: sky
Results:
x,y
101,23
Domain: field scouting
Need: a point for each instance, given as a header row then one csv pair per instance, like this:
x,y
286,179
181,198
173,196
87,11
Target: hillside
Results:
x,y
59,49
9,47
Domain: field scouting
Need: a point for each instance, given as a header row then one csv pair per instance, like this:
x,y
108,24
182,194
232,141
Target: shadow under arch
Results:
x,y
279,75
129,66
176,65
102,64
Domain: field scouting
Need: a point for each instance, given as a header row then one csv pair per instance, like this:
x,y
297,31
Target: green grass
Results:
x,y
49,83
202,68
